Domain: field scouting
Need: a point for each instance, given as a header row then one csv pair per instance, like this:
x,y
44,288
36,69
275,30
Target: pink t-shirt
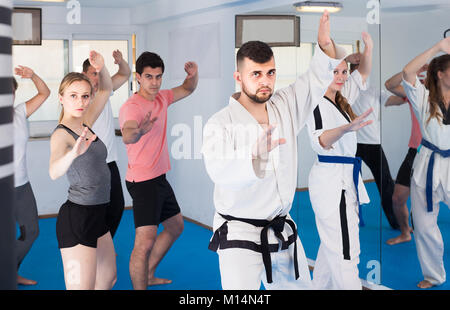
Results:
x,y
149,157
416,135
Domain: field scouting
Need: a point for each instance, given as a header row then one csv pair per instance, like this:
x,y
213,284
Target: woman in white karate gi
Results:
x,y
430,182
334,196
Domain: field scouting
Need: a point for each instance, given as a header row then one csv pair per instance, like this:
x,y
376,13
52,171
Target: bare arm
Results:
x,y
124,72
104,88
393,85
189,84
329,137
43,91
394,101
62,153
365,65
410,70
323,39
132,131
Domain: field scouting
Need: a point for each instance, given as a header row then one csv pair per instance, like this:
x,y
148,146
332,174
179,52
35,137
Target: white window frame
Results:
x,y
43,129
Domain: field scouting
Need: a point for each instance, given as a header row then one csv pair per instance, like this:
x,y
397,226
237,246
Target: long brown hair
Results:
x,y
67,81
440,63
343,104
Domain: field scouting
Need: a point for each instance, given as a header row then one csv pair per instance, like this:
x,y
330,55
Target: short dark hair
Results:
x,y
353,67
149,59
86,65
15,85
256,51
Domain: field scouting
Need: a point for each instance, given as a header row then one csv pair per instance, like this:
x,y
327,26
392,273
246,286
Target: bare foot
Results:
x,y
399,239
424,284
24,281
158,281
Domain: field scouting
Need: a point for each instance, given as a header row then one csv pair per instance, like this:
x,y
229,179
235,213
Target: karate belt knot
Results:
x,y
356,162
429,184
219,240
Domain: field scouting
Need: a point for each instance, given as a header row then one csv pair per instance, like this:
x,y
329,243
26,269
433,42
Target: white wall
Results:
x,y
95,23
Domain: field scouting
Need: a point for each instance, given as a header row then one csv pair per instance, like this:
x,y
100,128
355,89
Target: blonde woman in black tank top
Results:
x,y
86,245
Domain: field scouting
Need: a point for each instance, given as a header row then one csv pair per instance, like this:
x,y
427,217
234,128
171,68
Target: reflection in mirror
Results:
x,y
411,37
327,218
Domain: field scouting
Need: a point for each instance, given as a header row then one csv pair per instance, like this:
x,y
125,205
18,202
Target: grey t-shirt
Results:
x,y
89,175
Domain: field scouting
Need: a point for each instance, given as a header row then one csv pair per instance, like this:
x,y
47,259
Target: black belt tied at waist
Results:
x,y
219,240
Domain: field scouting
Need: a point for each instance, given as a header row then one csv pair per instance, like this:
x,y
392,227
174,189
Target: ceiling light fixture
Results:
x,y
48,0
318,6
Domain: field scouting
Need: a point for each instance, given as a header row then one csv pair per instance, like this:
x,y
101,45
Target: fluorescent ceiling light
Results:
x,y
317,7
48,0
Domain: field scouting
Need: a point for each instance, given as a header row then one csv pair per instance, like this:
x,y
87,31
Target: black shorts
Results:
x,y
116,206
405,171
153,201
78,224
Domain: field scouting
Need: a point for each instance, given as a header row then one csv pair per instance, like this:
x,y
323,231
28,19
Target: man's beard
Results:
x,y
255,97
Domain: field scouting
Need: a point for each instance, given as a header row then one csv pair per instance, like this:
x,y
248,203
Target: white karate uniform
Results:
x,y
336,220
21,135
428,238
104,129
244,192
370,98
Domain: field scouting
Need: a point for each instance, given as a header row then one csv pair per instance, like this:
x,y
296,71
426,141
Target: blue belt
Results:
x,y
356,162
429,185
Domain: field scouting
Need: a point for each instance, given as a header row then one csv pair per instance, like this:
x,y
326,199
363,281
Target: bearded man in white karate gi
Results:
x,y
250,153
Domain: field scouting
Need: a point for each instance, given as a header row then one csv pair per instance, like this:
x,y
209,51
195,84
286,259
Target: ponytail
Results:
x,y
343,104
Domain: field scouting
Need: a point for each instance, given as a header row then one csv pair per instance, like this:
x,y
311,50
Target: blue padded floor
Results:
x,y
192,266
189,263
399,264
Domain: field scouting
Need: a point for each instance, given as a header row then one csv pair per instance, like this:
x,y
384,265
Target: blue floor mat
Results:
x,y
369,234
192,266
189,263
398,264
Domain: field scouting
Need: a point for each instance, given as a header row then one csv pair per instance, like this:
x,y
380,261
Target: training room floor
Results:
x,y
189,263
192,266
399,264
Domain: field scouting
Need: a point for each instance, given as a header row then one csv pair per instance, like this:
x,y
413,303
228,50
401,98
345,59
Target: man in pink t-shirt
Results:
x,y
143,121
